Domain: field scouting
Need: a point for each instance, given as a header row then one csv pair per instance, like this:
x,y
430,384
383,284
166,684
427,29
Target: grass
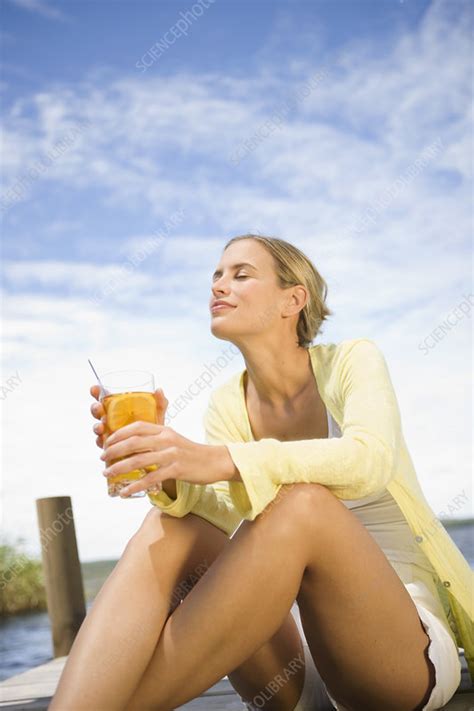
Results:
x,y
21,581
22,586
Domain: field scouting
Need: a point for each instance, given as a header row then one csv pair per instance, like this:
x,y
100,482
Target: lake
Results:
x,y
25,640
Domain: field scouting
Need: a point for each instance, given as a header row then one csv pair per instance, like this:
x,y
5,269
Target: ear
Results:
x,y
296,300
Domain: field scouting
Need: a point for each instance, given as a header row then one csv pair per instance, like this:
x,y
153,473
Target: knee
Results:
x,y
302,496
301,506
318,505
295,506
155,526
152,525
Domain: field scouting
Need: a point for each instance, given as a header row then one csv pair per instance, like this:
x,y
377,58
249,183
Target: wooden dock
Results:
x,y
33,690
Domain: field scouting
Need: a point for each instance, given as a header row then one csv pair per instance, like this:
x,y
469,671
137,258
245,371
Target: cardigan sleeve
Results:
x,y
211,502
359,463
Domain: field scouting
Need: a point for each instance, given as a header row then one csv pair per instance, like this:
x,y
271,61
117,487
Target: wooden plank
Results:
x,y
215,703
32,691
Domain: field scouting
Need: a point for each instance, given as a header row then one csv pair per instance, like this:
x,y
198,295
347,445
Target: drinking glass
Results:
x,y
127,396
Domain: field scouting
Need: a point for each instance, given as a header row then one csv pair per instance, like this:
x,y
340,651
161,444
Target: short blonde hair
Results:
x,y
293,267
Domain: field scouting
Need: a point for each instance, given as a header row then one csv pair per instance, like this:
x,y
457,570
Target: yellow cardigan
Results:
x,y
354,382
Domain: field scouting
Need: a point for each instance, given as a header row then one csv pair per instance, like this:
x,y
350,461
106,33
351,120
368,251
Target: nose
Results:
x,y
219,287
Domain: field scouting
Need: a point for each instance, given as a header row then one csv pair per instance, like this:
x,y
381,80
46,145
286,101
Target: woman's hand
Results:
x,y
144,444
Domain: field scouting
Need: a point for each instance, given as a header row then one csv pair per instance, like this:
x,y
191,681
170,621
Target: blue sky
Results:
x,y
343,127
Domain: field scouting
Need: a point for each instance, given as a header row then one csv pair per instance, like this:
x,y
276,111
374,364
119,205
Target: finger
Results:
x,y
97,410
155,488
163,473
95,391
161,399
149,482
129,446
99,428
134,428
99,442
136,461
161,405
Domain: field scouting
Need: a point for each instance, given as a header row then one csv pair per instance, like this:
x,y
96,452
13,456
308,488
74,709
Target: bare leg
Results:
x,y
120,632
366,638
273,676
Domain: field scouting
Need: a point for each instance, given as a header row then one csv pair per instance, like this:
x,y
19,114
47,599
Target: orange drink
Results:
x,y
135,402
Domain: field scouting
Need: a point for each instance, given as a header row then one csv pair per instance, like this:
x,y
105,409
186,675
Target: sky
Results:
x,y
138,137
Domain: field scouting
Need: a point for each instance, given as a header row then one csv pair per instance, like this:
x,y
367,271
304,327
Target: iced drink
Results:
x,y
122,408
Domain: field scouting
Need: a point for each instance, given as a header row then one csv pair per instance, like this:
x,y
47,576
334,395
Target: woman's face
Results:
x,y
245,278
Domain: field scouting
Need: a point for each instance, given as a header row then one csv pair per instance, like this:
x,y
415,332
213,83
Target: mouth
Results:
x,y
221,307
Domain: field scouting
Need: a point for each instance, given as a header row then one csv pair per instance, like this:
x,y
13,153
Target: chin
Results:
x,y
220,331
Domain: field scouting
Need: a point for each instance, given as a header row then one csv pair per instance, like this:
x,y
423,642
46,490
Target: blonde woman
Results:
x,y
305,492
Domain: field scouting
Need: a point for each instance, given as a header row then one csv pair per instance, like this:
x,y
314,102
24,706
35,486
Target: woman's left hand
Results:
x,y
144,444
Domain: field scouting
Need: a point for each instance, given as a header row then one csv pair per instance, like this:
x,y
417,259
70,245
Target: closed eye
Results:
x,y
242,276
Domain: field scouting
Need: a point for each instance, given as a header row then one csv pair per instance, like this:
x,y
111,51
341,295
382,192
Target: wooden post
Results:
x,y
62,570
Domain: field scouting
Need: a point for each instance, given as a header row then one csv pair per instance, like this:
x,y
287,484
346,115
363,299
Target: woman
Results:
x,y
304,491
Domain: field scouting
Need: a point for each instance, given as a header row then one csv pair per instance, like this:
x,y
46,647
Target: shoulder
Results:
x,y
334,355
338,364
225,413
359,345
227,392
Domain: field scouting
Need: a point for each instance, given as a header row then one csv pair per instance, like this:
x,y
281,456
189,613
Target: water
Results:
x,y
25,640
463,536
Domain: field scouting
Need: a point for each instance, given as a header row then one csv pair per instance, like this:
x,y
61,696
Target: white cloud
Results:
x,y
60,227
158,144
42,8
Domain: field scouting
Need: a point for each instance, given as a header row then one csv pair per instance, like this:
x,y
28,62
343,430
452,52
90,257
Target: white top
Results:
x,y
384,520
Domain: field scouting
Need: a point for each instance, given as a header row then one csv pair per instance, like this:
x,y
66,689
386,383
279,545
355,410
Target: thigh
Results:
x,y
362,627
272,678
191,542
206,543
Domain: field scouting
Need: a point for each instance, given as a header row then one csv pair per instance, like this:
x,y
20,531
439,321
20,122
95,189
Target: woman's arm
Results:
x,y
177,498
211,501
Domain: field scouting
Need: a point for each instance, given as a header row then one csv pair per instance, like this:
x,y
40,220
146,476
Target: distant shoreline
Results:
x,y
454,522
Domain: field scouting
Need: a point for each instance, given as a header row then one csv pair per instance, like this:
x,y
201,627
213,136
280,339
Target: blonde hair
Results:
x,y
293,267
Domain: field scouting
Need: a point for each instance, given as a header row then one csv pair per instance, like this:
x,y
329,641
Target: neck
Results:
x,y
278,376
